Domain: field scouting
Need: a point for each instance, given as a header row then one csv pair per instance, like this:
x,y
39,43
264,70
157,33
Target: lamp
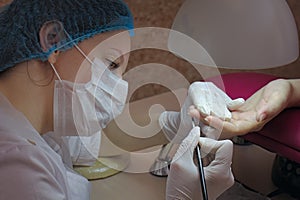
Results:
x,y
239,34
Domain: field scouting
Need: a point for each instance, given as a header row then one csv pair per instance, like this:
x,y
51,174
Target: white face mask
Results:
x,y
84,109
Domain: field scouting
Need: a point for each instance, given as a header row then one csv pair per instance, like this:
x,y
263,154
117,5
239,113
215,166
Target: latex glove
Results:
x,y
172,123
183,180
208,99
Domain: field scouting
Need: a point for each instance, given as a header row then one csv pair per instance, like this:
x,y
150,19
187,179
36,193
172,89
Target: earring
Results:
x,y
53,57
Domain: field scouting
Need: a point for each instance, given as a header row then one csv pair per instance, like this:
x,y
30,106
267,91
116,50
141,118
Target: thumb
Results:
x,y
270,106
186,149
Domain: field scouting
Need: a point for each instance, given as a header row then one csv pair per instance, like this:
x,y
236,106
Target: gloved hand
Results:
x,y
207,99
183,180
211,100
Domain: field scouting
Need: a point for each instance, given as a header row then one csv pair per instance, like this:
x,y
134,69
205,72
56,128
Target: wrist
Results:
x,y
294,94
168,122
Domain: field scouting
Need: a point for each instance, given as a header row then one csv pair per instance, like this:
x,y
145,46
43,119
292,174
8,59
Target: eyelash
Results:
x,y
113,65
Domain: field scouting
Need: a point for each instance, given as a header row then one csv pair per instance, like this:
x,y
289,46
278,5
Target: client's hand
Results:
x,y
259,109
207,99
183,181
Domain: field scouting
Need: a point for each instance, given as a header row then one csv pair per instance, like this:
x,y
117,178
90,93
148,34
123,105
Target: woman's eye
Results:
x,y
112,65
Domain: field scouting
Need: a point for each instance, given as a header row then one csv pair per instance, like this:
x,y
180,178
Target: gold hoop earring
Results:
x,y
37,82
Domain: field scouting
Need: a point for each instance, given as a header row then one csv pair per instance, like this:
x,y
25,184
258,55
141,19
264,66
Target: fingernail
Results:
x,y
206,119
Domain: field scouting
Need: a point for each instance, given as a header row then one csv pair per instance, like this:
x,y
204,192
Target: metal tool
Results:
x,y
201,170
160,167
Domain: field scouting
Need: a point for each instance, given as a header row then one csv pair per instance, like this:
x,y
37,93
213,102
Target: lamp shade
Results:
x,y
239,34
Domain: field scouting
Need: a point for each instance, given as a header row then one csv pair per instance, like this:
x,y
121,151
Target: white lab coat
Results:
x,y
29,167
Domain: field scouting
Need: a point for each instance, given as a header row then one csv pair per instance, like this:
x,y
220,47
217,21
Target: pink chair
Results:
x,y
282,134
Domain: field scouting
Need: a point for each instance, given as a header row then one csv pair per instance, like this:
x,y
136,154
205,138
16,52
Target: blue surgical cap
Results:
x,y
21,21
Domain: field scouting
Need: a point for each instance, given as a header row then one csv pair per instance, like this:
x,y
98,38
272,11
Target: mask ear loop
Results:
x,y
82,53
56,73
77,47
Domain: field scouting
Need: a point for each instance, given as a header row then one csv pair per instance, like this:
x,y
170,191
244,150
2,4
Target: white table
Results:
x,y
129,186
135,186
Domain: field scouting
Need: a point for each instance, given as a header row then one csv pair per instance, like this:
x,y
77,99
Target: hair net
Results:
x,y
20,23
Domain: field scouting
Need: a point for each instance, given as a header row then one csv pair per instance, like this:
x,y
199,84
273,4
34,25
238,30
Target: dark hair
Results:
x,y
21,21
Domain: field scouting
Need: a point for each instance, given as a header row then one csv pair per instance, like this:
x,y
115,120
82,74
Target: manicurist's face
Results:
x,y
111,48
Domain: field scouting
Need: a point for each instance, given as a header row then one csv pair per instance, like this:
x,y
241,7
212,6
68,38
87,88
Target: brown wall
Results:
x,y
3,2
160,13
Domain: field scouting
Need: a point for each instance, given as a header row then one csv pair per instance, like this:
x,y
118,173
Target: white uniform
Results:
x,y
29,167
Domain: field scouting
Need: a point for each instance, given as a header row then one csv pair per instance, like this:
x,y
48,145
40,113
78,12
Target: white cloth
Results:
x,y
209,100
29,167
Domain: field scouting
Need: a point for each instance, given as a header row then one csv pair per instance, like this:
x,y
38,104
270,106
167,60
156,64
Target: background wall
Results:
x,y
160,13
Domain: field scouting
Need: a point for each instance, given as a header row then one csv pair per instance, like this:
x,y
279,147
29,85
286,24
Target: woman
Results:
x,y
59,86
